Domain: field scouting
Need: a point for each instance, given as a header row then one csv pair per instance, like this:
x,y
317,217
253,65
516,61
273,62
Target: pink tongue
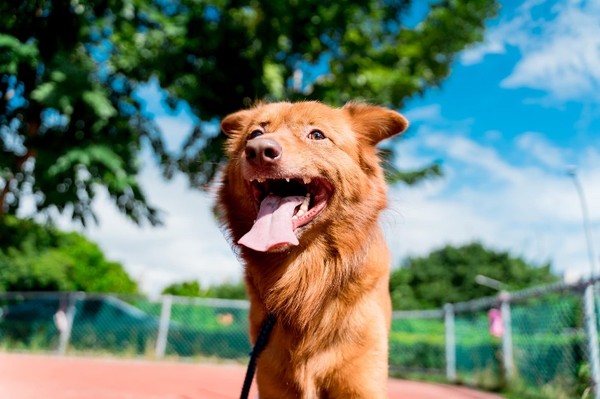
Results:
x,y
273,226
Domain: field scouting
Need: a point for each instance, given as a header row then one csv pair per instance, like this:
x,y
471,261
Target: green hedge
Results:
x,y
417,352
544,362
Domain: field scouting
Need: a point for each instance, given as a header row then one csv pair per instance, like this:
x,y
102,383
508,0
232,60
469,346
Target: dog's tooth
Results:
x,y
300,212
306,180
305,203
287,179
260,179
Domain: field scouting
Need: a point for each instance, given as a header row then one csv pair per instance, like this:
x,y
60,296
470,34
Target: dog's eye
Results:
x,y
254,134
316,135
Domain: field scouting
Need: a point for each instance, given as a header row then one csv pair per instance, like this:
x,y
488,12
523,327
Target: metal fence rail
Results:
x,y
542,342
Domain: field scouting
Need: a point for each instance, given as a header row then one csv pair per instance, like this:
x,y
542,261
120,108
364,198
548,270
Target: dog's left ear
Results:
x,y
234,123
375,123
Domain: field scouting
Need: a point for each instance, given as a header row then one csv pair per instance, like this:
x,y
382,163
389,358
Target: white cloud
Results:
x,y
190,246
431,112
492,135
538,147
560,50
530,211
511,31
508,32
473,154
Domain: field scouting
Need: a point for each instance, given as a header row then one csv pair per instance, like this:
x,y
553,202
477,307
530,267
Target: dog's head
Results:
x,y
296,166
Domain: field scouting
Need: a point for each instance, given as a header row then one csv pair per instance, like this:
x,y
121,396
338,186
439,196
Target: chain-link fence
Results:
x,y
541,343
128,326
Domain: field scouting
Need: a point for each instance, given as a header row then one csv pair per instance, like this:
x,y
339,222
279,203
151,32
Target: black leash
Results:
x,y
259,346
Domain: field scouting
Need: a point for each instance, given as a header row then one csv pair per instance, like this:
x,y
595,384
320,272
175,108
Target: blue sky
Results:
x,y
515,112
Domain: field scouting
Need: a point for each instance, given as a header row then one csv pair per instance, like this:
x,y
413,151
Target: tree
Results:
x,y
34,257
67,122
225,290
70,120
447,275
185,288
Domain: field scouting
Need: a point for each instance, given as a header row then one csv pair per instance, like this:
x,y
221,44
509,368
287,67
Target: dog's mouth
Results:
x,y
315,193
284,206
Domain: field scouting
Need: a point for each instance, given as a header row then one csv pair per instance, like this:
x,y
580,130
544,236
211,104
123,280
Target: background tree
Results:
x,y
35,257
448,275
184,288
225,290
70,119
67,122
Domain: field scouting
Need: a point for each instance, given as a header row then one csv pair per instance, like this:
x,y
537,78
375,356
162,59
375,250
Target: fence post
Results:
x,y
64,318
450,342
163,328
591,332
507,344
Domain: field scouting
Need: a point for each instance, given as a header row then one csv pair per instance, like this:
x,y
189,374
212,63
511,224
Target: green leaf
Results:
x,y
273,77
58,76
99,154
13,52
100,103
44,92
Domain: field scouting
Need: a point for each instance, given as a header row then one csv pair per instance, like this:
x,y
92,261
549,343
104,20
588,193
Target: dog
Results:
x,y
300,198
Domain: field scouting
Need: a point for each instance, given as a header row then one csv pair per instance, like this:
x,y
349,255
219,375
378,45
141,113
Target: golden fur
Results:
x,y
329,293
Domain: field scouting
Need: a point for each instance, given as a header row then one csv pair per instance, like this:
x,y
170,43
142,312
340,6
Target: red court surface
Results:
x,y
52,377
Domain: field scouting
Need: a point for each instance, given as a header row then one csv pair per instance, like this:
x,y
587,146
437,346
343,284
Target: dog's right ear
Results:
x,y
234,123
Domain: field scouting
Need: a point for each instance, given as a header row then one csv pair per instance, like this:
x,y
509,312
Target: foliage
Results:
x,y
226,290
67,123
412,177
71,120
448,275
186,288
34,257
416,352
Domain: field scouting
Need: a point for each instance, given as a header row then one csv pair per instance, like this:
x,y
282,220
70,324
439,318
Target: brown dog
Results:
x,y
300,197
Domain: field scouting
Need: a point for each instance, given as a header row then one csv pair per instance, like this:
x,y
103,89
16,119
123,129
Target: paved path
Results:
x,y
51,377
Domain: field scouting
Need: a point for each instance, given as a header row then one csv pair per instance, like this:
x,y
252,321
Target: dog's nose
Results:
x,y
263,151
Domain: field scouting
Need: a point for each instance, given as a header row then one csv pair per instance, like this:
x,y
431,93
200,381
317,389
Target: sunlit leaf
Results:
x,y
101,105
44,92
